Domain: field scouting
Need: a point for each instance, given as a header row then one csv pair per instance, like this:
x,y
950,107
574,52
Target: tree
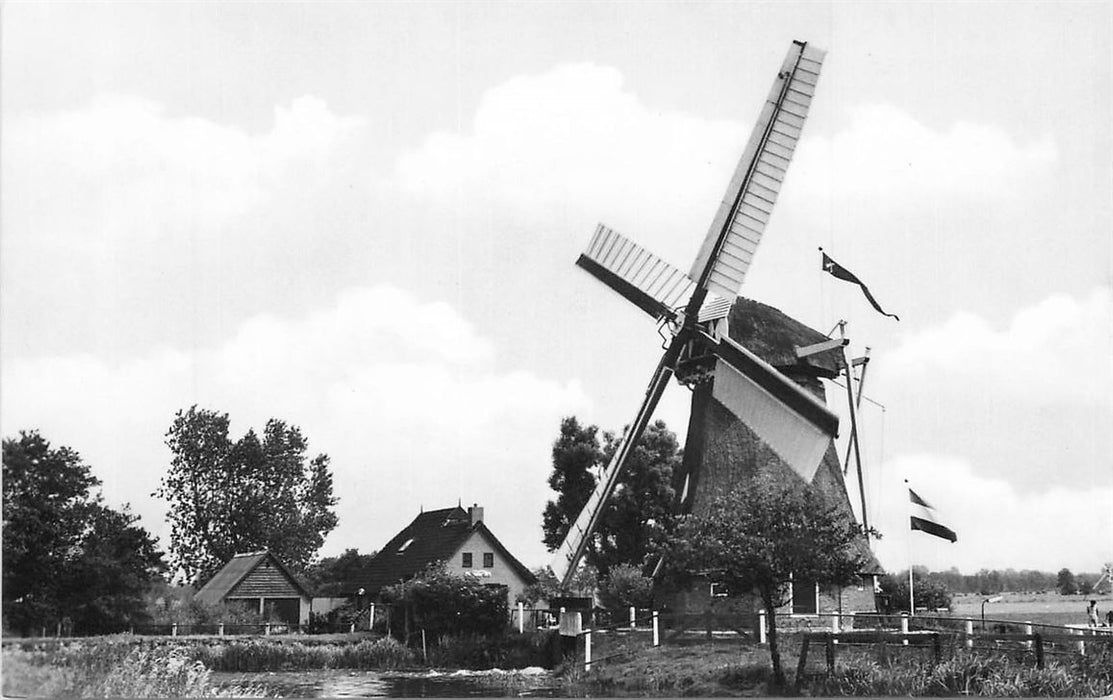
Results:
x,y
625,587
576,453
756,538
229,497
640,510
67,556
1066,582
443,603
338,570
546,587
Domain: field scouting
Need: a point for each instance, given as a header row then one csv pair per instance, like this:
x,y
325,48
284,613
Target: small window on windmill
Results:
x,y
405,544
719,590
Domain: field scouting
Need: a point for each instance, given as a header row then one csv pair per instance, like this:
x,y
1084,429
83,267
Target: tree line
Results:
x,y
74,565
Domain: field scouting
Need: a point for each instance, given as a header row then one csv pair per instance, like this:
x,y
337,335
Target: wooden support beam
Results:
x,y
808,350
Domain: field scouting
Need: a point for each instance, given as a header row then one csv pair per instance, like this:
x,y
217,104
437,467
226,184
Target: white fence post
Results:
x,y
1028,631
371,618
835,627
1081,644
633,617
220,630
521,617
587,650
904,628
656,631
969,634
174,630
761,627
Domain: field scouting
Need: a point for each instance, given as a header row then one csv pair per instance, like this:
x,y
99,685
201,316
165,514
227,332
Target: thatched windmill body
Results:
x,y
757,399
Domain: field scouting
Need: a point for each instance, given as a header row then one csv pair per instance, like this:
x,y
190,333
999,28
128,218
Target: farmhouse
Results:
x,y
455,536
259,581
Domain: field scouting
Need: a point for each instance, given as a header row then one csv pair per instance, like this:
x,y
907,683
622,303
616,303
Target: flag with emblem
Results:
x,y
838,271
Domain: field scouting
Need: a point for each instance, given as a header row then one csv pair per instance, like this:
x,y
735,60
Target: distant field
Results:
x,y
1046,608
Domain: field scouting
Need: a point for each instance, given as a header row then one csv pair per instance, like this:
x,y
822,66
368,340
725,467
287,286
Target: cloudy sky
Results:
x,y
362,219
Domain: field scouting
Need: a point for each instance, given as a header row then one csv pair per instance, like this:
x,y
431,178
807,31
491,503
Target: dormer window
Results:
x,y
405,544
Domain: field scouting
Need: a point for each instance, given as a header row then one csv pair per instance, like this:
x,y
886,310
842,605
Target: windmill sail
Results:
x,y
575,541
793,423
738,225
653,285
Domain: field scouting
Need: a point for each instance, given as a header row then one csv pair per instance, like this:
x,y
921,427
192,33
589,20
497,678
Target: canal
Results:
x,y
341,683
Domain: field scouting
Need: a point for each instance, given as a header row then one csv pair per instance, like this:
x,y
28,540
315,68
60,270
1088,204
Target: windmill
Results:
x,y
695,309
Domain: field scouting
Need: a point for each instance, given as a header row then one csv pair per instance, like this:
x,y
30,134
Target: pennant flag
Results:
x,y
840,272
923,519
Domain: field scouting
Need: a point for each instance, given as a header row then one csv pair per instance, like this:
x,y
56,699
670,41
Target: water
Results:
x,y
340,683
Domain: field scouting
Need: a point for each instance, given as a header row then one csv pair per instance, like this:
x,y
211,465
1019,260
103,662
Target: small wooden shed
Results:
x,y
259,581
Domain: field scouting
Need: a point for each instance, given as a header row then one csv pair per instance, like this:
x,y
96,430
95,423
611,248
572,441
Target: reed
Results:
x,y
112,669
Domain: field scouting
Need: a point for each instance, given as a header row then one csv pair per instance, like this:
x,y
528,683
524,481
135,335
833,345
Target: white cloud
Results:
x,y
123,167
576,139
1060,349
997,526
407,398
885,153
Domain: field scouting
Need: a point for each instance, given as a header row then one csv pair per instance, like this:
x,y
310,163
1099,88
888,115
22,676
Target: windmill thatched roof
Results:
x,y
774,336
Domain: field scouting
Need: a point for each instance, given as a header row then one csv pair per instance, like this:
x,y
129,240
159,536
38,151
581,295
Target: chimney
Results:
x,y
475,514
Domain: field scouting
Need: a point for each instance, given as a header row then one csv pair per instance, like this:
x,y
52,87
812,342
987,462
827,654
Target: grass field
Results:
x,y
1043,608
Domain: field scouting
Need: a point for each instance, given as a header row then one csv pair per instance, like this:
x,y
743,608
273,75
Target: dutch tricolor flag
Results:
x,y
923,519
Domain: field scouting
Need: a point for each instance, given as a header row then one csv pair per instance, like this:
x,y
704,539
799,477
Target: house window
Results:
x,y
467,560
488,560
805,598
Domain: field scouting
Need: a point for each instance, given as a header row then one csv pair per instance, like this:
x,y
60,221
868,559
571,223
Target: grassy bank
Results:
x,y
721,669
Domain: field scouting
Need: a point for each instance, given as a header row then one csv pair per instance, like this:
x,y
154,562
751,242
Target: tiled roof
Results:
x,y
432,536
236,570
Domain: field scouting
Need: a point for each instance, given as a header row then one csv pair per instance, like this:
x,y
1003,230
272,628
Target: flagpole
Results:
x,y
911,589
854,430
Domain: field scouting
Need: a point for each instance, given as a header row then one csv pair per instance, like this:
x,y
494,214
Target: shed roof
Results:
x,y
236,570
433,536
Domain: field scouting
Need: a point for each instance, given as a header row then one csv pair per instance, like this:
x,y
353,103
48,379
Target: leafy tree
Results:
x,y
545,588
576,453
67,556
338,570
441,602
640,510
1066,583
229,497
757,538
625,587
929,592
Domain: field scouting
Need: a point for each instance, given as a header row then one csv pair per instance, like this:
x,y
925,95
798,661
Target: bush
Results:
x,y
625,587
442,603
929,594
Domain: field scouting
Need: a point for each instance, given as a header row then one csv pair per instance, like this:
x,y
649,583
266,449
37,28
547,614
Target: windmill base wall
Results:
x,y
845,601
